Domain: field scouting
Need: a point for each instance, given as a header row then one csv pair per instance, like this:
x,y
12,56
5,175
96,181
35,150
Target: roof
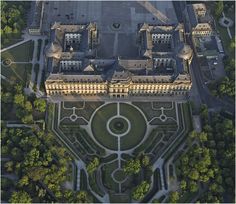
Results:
x,y
192,15
185,52
53,50
135,63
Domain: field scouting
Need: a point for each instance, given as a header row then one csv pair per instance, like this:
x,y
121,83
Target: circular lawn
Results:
x,y
130,124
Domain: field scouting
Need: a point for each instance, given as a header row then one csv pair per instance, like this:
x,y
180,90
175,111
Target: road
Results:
x,y
204,94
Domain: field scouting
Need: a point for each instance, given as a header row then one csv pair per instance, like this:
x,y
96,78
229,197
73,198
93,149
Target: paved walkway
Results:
x,y
27,37
227,27
158,164
14,45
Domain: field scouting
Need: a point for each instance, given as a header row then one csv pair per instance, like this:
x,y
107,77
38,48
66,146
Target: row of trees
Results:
x,y
226,86
208,161
221,141
211,162
23,105
195,166
13,19
33,156
133,167
41,166
219,7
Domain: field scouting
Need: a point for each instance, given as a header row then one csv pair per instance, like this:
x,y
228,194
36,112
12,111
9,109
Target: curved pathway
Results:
x,y
159,162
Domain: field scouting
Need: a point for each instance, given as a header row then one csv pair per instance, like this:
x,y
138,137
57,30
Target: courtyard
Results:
x,y
116,132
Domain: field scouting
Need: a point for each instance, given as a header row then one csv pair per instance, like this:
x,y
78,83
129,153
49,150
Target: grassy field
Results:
x,y
36,70
89,109
17,73
21,53
138,126
120,198
99,126
107,169
119,175
39,48
146,107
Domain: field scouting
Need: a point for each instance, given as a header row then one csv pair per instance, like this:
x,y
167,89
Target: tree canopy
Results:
x,y
140,191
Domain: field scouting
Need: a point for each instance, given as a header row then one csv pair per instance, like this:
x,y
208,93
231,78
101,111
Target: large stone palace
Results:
x,y
162,67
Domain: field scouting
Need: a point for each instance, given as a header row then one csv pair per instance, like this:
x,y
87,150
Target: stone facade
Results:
x,y
200,20
164,71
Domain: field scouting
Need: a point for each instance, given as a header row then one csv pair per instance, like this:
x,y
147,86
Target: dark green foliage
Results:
x,y
212,161
226,85
36,159
20,197
173,197
93,165
40,105
140,191
219,6
13,19
133,166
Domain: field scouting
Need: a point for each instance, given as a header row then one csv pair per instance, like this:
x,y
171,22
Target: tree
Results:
x,y
40,105
140,191
83,197
19,99
7,97
219,6
145,160
132,166
37,174
7,29
20,197
9,166
17,154
202,137
194,175
27,119
193,186
92,166
18,89
232,44
174,197
24,181
28,106
183,185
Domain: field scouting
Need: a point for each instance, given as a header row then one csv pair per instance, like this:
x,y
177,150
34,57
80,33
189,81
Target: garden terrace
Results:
x,y
124,128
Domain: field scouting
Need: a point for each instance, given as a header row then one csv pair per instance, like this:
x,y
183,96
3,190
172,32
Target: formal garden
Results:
x,y
119,145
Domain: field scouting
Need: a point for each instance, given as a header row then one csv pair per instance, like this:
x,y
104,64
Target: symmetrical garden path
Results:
x,y
175,115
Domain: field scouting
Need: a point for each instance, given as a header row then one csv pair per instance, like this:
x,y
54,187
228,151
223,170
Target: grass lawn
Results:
x,y
18,73
187,119
88,110
119,175
99,128
120,198
107,169
67,121
153,138
36,70
94,185
138,126
21,53
146,107
156,186
39,48
158,105
83,180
